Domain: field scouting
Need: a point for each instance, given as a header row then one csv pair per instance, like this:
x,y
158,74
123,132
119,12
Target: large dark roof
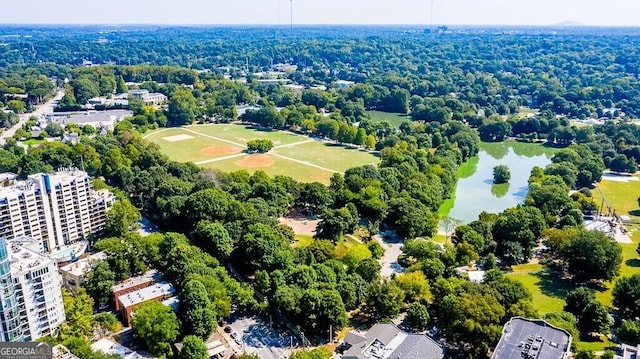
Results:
x,y
529,339
386,341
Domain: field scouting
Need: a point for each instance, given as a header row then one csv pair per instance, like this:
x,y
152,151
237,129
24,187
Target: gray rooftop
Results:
x,y
158,290
386,341
530,338
148,277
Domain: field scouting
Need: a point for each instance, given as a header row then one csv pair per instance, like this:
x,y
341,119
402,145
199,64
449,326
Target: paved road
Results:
x,y
392,245
40,110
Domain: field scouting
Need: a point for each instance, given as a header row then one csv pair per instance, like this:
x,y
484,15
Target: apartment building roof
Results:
x,y
158,290
147,277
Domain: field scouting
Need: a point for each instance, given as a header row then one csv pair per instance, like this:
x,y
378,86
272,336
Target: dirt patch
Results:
x,y
177,138
299,224
219,150
255,161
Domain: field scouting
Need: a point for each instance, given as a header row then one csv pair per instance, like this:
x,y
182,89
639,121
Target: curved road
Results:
x,y
40,110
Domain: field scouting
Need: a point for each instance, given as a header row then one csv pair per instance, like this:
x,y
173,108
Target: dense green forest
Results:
x,y
458,88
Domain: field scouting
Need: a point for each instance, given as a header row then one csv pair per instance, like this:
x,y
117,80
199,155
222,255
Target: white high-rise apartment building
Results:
x,y
54,209
30,293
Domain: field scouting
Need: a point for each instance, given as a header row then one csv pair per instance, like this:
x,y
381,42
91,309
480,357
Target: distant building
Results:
x,y
267,82
386,341
625,351
31,298
532,339
55,209
116,101
294,88
130,301
284,68
97,119
108,346
73,274
148,98
343,84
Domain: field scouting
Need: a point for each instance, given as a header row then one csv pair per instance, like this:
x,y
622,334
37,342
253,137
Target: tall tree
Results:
x,y
193,348
197,313
592,255
157,326
122,218
99,282
183,107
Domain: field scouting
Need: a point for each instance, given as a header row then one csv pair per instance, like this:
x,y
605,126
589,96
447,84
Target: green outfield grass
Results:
x,y
300,157
278,166
242,134
193,149
328,155
395,119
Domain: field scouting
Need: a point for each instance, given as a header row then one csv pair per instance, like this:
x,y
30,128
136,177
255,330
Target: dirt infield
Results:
x,y
219,150
255,161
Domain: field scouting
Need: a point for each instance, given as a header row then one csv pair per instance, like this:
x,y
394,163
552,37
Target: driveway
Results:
x,y
392,244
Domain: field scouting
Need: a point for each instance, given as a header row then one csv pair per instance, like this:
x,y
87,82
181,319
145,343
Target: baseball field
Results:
x,y
223,146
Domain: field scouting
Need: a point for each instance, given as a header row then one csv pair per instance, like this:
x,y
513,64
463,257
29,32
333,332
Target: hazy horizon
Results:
x,y
328,12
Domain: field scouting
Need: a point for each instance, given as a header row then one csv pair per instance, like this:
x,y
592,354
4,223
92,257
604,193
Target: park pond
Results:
x,y
475,191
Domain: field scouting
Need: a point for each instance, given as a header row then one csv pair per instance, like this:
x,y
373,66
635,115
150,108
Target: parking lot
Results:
x,y
252,335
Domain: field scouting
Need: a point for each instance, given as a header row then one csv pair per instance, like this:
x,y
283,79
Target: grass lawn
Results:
x,y
548,290
303,240
278,166
242,134
328,155
194,149
395,119
33,141
300,157
620,196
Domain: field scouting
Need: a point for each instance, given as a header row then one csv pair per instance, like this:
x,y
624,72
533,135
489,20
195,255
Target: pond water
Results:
x,y
476,192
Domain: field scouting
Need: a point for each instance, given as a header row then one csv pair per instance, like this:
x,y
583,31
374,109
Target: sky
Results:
x,y
223,12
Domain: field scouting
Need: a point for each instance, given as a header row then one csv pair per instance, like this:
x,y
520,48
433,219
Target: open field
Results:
x,y
548,290
395,119
182,146
223,147
620,196
335,157
242,134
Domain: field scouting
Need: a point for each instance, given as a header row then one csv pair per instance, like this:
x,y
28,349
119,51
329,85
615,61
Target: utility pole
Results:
x,y
330,332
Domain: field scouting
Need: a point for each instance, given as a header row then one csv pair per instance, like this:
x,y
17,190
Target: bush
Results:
x,y
260,145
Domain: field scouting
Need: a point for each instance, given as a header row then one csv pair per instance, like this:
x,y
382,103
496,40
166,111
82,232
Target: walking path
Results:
x,y
221,158
305,163
213,137
293,144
